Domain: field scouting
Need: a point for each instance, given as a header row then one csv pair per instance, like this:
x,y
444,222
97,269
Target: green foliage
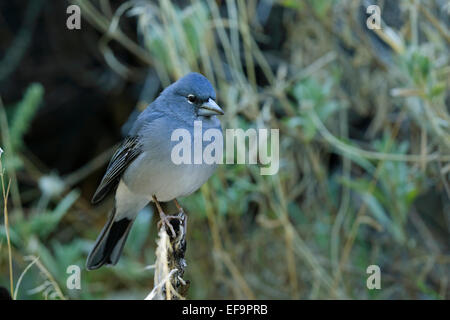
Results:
x,y
419,67
39,225
24,113
44,223
18,124
391,198
183,38
321,7
310,94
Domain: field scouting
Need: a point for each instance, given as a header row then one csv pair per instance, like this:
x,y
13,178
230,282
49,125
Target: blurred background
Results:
x,y
364,120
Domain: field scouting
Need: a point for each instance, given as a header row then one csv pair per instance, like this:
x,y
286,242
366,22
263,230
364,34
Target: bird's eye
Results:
x,y
191,98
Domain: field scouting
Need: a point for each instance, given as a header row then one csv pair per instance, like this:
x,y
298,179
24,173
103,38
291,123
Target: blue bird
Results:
x,y
142,170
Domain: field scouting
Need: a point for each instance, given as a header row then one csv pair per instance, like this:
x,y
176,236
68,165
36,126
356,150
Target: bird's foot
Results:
x,y
181,214
165,220
180,209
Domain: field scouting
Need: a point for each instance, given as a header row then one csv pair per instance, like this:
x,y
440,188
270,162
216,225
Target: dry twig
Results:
x,y
170,263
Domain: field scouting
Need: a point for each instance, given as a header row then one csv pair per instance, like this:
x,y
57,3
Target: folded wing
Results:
x,y
126,153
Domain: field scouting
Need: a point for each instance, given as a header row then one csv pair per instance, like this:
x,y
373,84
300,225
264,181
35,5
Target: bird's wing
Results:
x,y
126,153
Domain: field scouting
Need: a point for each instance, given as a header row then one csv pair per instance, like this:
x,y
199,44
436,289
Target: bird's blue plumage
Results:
x,y
143,167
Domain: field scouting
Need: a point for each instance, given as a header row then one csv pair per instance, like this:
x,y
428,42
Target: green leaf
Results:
x,y
43,224
24,113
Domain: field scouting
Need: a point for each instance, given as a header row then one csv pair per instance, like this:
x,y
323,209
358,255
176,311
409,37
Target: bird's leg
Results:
x,y
180,209
181,214
165,219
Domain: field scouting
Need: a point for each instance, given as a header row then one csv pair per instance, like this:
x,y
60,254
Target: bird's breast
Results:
x,y
158,171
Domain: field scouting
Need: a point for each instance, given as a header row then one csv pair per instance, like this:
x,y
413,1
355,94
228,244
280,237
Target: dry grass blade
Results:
x,y
35,259
49,276
5,193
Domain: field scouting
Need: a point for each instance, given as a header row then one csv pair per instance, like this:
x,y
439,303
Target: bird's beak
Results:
x,y
209,108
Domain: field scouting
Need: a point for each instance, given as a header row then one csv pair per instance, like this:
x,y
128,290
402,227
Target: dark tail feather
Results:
x,y
109,244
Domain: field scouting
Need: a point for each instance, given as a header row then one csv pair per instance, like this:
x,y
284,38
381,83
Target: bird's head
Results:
x,y
193,93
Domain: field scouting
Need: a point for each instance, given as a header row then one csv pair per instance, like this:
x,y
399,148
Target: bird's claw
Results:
x,y
165,220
